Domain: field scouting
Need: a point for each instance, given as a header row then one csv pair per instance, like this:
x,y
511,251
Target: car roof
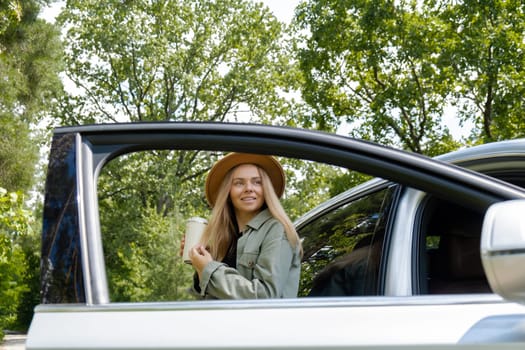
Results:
x,y
493,150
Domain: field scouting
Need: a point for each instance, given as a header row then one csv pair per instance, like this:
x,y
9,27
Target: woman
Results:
x,y
250,248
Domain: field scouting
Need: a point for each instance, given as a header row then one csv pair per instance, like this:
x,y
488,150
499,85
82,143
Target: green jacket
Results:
x,y
267,265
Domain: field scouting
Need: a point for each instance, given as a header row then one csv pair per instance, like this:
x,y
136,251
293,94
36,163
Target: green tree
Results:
x,y
174,60
144,200
15,224
31,52
309,184
30,60
373,63
484,46
391,68
10,11
18,155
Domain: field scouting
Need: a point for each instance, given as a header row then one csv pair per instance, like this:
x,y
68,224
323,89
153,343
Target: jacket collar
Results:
x,y
260,219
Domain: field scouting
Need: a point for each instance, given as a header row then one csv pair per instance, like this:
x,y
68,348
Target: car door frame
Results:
x,y
97,144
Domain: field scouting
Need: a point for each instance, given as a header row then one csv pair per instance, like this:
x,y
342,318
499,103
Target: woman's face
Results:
x,y
246,192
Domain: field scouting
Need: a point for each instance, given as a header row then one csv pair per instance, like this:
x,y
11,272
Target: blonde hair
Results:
x,y
222,224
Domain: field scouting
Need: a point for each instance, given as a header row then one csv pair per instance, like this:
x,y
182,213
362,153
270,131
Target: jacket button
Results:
x,y
250,263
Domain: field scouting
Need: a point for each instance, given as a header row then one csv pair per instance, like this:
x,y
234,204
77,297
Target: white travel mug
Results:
x,y
194,229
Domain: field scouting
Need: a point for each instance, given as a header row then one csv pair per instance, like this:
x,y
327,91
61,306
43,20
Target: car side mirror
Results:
x,y
503,249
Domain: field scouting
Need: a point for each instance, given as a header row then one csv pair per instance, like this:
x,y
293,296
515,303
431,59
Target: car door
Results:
x,y
77,310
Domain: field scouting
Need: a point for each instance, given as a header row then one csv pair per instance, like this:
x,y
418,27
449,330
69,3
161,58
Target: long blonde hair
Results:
x,y
222,224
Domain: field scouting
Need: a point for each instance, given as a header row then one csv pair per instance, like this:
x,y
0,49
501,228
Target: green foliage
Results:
x,y
30,60
30,297
174,60
15,225
391,68
373,63
10,11
149,261
483,46
308,184
30,57
144,200
346,181
18,155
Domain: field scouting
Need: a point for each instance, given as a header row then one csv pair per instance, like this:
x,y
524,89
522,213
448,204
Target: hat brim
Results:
x,y
221,167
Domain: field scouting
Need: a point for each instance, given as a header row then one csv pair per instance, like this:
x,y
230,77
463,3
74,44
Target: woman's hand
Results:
x,y
199,257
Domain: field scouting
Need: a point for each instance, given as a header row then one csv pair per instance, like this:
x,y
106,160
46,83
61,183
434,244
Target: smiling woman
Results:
x,y
254,250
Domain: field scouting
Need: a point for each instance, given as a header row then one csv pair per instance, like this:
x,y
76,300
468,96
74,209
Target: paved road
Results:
x,y
14,342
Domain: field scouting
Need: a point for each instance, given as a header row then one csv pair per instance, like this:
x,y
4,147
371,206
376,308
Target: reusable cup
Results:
x,y
194,228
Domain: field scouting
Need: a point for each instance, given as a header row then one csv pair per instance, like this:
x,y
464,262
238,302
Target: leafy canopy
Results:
x,y
391,68
175,60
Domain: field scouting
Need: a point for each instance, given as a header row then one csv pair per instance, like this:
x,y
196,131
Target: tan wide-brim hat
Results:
x,y
219,170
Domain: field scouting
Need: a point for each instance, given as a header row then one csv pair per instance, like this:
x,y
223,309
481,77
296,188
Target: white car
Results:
x,y
440,250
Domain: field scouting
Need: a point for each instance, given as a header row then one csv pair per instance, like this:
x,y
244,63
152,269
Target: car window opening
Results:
x,y
453,251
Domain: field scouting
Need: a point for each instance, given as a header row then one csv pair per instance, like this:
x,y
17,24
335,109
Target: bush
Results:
x,y
15,227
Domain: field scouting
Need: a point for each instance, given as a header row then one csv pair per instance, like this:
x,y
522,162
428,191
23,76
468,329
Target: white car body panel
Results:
x,y
345,324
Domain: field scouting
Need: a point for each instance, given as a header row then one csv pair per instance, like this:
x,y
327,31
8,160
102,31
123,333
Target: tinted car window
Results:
x,y
343,247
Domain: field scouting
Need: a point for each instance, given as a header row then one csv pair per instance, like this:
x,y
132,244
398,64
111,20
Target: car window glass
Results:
x,y
343,247
142,218
144,200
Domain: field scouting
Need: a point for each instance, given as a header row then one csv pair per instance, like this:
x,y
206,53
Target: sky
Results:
x,y
282,9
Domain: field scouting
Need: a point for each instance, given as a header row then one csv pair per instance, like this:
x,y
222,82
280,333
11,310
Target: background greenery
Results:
x,y
389,70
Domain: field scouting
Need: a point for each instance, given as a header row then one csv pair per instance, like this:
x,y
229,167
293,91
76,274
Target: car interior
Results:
x,y
451,247
450,244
